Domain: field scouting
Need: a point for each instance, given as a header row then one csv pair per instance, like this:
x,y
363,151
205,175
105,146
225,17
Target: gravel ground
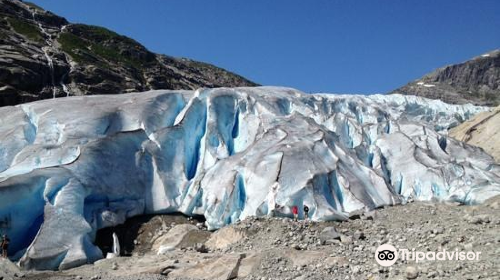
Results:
x,y
278,248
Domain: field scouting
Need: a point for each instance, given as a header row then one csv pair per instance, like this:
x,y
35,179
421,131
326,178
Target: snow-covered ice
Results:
x,y
425,85
71,166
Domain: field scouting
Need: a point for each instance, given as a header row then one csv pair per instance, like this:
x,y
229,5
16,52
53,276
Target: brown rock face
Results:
x,y
475,81
44,56
483,131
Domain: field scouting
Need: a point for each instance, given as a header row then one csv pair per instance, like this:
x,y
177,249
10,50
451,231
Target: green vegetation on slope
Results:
x,y
86,51
26,29
99,33
74,46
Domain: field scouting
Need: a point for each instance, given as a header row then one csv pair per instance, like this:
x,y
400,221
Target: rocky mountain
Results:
x,y
483,131
44,56
475,81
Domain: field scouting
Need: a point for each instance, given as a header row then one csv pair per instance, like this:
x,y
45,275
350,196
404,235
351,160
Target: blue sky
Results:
x,y
316,46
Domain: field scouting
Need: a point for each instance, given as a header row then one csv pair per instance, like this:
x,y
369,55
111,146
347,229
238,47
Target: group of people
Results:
x,y
5,245
295,211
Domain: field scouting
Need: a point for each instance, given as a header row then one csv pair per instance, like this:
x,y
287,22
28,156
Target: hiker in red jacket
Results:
x,y
295,211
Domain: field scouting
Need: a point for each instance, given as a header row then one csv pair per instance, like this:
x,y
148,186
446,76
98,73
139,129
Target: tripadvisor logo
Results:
x,y
387,255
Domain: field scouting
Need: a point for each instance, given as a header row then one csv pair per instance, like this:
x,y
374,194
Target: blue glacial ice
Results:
x,y
71,166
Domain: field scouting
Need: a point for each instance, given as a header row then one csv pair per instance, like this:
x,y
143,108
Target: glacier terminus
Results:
x,y
71,166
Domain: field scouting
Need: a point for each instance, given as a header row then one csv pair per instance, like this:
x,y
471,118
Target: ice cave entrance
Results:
x,y
136,234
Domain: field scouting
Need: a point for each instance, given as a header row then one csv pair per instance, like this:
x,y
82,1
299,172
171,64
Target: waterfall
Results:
x,y
61,82
51,67
46,53
64,87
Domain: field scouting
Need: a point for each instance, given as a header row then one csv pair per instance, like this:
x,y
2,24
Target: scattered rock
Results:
x,y
356,214
438,230
291,250
479,219
355,269
411,272
432,274
345,239
370,215
359,235
201,248
328,233
166,270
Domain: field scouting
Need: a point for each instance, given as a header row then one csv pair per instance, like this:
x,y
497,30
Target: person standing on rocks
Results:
x,y
295,211
306,212
5,245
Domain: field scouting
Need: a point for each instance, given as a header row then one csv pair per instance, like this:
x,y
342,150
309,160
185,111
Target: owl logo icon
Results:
x,y
386,255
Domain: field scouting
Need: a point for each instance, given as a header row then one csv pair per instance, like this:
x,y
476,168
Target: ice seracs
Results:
x,y
74,165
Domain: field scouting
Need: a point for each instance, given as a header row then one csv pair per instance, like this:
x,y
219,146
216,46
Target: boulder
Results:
x,y
224,237
411,272
180,236
249,264
216,268
328,233
356,214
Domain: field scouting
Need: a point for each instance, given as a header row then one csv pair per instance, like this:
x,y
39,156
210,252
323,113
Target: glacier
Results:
x,y
71,166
